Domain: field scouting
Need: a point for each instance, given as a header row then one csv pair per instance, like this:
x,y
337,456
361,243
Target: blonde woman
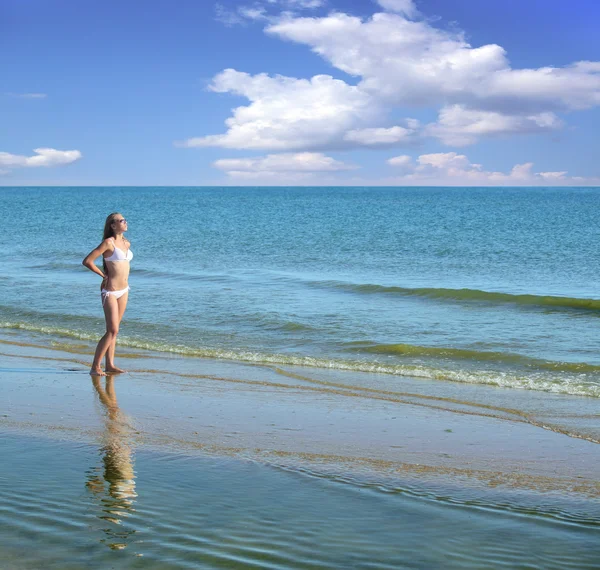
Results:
x,y
115,250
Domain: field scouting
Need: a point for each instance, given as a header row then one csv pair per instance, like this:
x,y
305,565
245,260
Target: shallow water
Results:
x,y
196,463
494,285
66,505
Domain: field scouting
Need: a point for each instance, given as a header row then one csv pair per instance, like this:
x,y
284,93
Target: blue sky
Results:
x,y
392,92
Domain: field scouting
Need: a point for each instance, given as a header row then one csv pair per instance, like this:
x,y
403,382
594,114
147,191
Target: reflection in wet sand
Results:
x,y
114,483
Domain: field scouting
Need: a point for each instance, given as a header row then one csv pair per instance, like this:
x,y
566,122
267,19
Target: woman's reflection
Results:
x,y
116,489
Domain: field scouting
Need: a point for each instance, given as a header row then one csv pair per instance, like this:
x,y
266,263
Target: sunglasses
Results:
x,y
123,221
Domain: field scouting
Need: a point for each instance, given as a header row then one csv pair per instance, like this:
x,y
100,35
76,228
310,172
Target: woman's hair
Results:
x,y
108,232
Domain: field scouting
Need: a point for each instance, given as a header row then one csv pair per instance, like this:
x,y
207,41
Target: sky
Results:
x,y
299,92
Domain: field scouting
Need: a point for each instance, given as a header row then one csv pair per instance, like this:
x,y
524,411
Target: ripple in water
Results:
x,y
66,505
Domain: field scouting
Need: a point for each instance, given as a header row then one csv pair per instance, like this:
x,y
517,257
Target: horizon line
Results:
x,y
2,186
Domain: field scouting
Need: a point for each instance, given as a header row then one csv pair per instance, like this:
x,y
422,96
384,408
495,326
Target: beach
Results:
x,y
274,447
316,378
299,285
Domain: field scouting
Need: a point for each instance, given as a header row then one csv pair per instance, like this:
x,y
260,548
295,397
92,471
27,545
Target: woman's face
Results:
x,y
119,224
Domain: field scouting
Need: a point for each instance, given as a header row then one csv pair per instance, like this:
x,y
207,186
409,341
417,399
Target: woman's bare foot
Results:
x,y
114,369
97,371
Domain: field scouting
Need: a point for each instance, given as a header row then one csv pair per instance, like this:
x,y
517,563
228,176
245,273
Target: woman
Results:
x,y
114,290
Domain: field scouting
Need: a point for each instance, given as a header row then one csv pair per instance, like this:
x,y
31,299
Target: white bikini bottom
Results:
x,y
116,294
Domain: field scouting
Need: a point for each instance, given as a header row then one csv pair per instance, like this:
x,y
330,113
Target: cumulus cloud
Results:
x,y
460,126
403,161
287,113
380,136
397,60
453,169
284,162
553,176
412,62
42,157
403,61
283,168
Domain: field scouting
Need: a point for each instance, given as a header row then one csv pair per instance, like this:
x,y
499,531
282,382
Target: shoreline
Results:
x,y
514,369
286,416
212,463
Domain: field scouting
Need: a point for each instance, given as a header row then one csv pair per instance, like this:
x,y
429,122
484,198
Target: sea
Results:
x,y
495,286
452,287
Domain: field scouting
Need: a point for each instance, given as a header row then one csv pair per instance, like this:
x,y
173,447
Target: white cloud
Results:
x,y
553,176
461,126
574,87
283,169
284,162
402,160
444,160
403,61
288,113
453,169
227,16
403,163
379,136
304,4
252,13
270,178
398,60
406,7
433,169
42,157
521,171
262,10
297,4
412,62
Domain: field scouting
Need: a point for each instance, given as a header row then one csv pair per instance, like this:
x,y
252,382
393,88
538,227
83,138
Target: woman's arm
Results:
x,y
95,254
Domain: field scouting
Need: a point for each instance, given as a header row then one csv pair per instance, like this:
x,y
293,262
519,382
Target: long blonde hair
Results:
x,y
109,232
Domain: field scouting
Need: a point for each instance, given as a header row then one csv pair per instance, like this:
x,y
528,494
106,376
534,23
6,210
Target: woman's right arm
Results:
x,y
95,254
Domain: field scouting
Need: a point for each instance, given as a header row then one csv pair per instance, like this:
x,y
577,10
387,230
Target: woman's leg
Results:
x,y
111,315
110,353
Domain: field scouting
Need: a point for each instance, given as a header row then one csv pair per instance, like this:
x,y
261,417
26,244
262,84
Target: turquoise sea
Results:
x,y
495,286
310,311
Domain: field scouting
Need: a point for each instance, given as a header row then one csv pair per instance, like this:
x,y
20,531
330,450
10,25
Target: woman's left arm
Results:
x,y
95,254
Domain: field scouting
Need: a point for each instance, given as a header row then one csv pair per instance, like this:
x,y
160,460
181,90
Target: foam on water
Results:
x,y
550,380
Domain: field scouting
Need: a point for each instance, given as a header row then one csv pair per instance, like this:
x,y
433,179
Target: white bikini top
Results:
x,y
119,254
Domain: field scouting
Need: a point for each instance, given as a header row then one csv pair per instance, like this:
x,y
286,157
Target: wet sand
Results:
x,y
306,418
197,463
